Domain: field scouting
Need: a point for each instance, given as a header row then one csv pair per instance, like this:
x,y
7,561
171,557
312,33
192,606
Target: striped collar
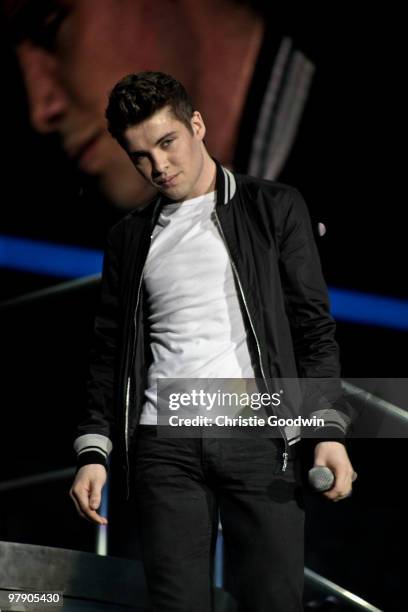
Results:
x,y
225,184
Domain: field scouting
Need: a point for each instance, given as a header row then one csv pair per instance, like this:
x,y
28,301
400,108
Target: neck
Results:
x,y
211,174
228,36
207,179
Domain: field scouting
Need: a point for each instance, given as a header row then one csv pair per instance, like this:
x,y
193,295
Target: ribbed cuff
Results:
x,y
88,457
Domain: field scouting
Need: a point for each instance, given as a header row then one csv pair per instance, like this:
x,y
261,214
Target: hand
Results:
x,y
334,456
86,492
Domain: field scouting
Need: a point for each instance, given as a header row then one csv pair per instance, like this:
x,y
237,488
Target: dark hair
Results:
x,y
138,96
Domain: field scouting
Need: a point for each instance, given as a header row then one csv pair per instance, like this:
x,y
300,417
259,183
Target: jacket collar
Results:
x,y
225,184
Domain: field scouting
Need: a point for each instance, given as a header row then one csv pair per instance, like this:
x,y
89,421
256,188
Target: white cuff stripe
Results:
x,y
93,440
93,448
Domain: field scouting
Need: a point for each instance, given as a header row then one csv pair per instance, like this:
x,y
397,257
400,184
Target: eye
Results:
x,y
45,31
167,142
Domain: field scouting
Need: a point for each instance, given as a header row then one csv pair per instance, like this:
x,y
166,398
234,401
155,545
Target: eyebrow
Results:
x,y
25,20
137,153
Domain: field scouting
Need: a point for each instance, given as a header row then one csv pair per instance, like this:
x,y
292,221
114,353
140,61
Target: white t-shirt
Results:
x,y
196,324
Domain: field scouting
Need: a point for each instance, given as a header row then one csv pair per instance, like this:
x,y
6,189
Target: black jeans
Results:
x,y
180,486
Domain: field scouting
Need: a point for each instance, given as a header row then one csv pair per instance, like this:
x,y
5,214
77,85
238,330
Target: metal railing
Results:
x,y
343,595
369,399
57,290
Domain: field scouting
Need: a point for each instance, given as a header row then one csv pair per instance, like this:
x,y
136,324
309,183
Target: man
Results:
x,y
218,277
240,68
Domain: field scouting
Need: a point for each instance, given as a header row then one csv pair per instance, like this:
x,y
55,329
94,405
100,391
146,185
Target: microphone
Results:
x,y
321,478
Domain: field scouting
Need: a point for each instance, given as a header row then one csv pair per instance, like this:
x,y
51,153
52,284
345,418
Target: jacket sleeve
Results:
x,y
312,326
93,442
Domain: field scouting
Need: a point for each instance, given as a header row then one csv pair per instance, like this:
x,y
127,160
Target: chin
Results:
x,y
176,196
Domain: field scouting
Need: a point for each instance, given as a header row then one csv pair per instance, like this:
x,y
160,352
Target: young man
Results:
x,y
218,277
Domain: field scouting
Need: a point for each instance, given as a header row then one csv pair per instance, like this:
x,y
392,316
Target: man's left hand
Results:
x,y
334,456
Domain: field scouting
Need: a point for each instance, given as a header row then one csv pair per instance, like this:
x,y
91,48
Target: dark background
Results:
x,y
345,164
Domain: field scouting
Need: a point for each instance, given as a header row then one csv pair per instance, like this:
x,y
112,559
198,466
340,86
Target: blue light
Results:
x,y
47,258
63,261
368,309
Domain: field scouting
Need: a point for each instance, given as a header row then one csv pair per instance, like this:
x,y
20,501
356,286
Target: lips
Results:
x,y
76,149
168,181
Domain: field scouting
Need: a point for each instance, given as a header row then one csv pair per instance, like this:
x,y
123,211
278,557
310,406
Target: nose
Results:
x,y
46,96
159,163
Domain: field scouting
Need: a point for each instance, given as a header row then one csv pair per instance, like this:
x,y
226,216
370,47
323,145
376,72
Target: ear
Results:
x,y
198,125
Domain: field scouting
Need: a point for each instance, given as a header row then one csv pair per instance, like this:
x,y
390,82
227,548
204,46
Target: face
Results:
x,y
78,51
170,157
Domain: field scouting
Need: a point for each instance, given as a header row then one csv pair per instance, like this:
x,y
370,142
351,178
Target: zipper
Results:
x,y
126,437
215,218
127,396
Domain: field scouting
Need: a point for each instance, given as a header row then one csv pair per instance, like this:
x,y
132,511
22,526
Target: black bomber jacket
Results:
x,y
267,231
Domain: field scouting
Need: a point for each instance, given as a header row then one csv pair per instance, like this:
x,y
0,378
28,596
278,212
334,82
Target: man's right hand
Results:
x,y
86,492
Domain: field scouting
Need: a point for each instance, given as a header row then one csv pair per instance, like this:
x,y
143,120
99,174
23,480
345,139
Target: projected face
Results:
x,y
72,52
